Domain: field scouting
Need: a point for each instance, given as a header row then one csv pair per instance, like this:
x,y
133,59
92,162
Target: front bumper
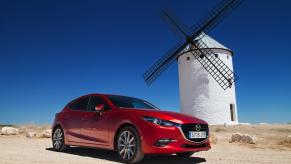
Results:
x,y
152,133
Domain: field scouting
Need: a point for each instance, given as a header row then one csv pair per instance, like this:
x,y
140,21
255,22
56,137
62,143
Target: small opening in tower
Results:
x,y
188,58
227,56
232,112
216,55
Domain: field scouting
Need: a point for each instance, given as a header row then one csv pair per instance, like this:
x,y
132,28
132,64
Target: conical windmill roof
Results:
x,y
209,42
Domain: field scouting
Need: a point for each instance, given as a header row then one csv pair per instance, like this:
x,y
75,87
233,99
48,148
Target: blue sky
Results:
x,y
54,51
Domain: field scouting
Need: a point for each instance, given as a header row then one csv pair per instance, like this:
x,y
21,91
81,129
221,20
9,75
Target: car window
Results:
x,y
96,100
140,105
80,104
130,102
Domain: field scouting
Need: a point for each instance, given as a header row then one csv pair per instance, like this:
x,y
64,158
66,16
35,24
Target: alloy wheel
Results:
x,y
126,145
58,139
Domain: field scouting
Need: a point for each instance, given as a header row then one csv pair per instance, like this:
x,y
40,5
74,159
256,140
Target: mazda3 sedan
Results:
x,y
132,127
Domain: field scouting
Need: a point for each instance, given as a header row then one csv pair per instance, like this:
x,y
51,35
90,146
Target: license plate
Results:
x,y
197,134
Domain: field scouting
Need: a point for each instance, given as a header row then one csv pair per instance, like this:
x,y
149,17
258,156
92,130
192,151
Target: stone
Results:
x,y
243,138
46,134
30,134
248,139
235,137
9,131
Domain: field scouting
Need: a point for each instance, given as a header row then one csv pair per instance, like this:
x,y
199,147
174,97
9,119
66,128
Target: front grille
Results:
x,y
192,127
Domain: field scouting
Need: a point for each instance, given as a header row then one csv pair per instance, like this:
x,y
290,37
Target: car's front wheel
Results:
x,y
58,139
129,146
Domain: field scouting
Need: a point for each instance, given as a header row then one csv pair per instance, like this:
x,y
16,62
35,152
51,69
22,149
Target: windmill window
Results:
x,y
227,56
188,58
216,55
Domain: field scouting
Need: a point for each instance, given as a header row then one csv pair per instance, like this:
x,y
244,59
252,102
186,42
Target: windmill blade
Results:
x,y
155,70
215,16
221,73
175,23
206,24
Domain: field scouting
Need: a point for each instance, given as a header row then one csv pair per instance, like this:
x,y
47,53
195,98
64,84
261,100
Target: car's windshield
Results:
x,y
130,102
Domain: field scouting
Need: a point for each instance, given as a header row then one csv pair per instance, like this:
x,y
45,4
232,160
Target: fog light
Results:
x,y
163,142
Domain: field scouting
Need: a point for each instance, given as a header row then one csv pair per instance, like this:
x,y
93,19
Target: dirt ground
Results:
x,y
38,151
271,147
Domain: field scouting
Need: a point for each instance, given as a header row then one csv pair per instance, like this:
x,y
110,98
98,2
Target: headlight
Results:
x,y
158,121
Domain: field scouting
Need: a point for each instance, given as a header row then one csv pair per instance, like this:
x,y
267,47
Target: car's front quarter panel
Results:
x,y
150,133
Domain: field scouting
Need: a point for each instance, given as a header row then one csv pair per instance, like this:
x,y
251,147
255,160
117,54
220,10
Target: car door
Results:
x,y
95,123
72,118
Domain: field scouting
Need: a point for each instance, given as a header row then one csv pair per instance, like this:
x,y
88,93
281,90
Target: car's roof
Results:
x,y
103,94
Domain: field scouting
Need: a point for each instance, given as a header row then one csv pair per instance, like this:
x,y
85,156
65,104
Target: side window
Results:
x,y
137,104
80,104
96,100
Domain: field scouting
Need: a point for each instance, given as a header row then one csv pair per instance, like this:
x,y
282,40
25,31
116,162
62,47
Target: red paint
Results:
x,y
98,129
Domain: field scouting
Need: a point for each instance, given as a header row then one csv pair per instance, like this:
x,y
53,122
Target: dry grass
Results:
x,y
218,129
268,136
285,142
213,139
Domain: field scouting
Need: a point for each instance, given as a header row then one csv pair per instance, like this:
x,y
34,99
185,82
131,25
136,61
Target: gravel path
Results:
x,y
16,149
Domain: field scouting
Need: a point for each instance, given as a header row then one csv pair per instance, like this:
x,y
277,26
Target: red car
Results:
x,y
131,126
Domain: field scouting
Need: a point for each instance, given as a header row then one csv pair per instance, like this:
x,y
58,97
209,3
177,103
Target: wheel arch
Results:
x,y
57,125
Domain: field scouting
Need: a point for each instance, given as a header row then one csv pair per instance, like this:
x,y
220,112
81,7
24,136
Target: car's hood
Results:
x,y
167,115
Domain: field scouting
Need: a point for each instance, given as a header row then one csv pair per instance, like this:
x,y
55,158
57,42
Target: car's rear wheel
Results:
x,y
129,146
58,139
185,154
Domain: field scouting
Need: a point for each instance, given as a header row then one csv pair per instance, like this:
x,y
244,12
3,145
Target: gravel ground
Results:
x,y
18,149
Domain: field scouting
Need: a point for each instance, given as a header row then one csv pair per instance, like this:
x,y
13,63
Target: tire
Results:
x,y
58,140
185,154
128,145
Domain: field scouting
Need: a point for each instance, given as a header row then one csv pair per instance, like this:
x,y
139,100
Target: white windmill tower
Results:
x,y
200,95
206,77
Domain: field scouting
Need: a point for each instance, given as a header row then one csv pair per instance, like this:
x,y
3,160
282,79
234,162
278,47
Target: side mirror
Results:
x,y
99,107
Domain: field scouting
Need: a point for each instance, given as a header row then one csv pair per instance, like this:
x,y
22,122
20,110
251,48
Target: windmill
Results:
x,y
206,78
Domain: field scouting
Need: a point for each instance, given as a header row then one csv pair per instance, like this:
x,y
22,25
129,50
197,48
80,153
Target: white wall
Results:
x,y
200,95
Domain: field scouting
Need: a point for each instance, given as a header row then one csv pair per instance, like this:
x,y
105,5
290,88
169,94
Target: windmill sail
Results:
x,y
155,70
215,16
221,73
